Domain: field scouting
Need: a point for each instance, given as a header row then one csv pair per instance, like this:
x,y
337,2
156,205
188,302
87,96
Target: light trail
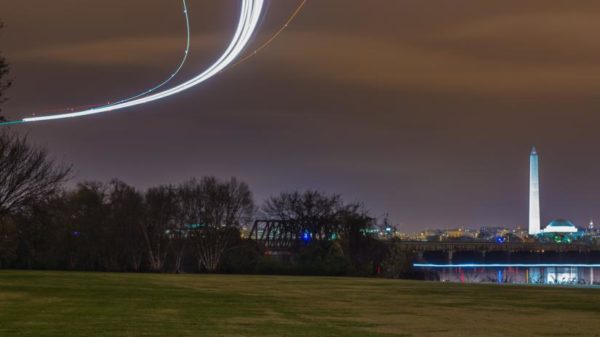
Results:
x,y
149,91
272,38
179,67
249,16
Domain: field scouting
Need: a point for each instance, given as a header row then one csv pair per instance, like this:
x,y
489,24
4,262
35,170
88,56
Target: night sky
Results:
x,y
423,109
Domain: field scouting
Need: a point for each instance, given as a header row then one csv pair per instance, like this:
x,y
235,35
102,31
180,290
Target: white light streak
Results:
x,y
250,14
179,67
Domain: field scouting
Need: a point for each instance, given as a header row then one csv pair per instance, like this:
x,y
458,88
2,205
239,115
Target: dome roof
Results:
x,y
560,223
560,226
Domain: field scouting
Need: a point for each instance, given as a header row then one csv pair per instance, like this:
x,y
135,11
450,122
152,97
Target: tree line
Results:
x,y
114,227
194,226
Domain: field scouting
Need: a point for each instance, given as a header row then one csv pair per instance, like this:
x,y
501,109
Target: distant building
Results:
x,y
428,235
458,234
534,193
561,231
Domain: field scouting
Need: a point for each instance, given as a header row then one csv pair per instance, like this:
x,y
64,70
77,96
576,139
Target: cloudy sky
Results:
x,y
423,109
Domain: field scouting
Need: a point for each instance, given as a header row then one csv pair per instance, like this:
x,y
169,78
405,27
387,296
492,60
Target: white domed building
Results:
x,y
561,231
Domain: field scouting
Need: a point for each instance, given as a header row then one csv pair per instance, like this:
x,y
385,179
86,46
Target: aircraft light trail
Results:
x,y
271,39
250,14
179,67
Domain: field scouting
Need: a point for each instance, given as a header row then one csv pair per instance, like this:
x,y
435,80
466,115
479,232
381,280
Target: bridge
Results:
x,y
282,235
275,235
427,246
510,251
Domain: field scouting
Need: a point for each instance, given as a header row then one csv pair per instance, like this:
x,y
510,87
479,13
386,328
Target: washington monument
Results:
x,y
534,194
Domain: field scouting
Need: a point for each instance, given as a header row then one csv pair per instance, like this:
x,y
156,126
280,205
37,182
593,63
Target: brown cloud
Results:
x,y
141,52
556,38
507,55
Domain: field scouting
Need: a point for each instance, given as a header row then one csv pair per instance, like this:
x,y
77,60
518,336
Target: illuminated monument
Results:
x,y
534,194
561,253
558,231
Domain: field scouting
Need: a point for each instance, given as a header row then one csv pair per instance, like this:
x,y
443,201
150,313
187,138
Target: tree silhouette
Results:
x,y
161,218
27,174
4,81
216,209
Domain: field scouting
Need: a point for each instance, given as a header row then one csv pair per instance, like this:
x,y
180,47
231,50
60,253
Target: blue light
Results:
x,y
11,123
500,240
499,275
306,237
504,265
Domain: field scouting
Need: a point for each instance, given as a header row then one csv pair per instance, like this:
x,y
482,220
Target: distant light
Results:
x,y
504,265
306,236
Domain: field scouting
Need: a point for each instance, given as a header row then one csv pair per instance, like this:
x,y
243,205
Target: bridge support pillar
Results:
x,y
420,255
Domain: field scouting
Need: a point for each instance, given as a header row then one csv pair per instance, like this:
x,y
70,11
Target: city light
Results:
x,y
504,265
306,236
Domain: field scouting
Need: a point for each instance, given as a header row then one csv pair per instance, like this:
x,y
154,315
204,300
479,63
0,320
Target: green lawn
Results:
x,y
93,304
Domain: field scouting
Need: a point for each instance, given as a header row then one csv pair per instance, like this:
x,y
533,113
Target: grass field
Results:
x,y
92,304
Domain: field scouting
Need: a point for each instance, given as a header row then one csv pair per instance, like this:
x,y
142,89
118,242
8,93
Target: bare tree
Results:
x,y
311,211
86,218
8,241
126,208
4,82
326,218
191,205
27,174
217,209
179,243
159,221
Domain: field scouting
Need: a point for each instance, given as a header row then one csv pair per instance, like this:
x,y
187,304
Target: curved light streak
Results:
x,y
179,67
250,14
272,38
147,92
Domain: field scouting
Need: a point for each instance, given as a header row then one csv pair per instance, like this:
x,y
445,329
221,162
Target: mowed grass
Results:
x,y
95,304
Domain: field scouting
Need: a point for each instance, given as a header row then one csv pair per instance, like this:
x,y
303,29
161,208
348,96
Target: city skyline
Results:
x,y
427,120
